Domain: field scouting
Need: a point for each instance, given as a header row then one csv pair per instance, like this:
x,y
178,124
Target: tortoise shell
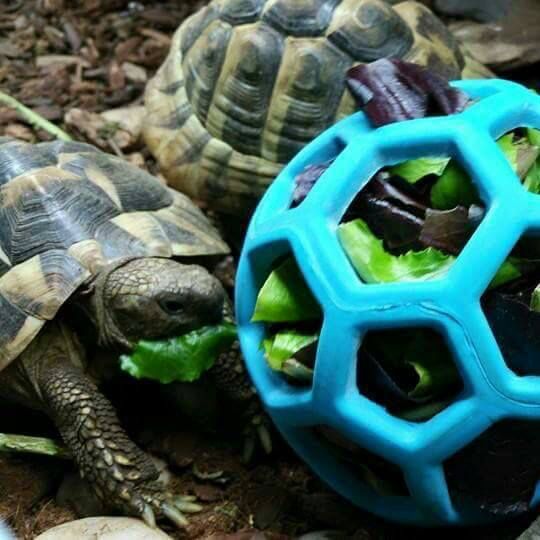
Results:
x,y
248,83
67,210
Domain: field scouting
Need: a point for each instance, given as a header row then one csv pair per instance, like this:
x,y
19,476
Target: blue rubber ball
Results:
x,y
492,393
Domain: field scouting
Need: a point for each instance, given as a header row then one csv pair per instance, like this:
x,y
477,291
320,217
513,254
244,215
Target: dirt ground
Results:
x,y
69,61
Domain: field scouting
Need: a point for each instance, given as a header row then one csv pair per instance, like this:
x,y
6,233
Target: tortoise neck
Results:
x,y
109,333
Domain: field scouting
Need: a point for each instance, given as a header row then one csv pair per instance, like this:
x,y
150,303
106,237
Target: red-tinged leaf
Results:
x,y
392,90
449,230
305,180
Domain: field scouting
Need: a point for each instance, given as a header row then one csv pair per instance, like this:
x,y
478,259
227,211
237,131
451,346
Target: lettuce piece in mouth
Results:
x,y
183,358
284,345
285,296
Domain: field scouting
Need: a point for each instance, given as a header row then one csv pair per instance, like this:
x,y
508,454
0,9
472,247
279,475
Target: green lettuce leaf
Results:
x,y
424,412
533,136
416,169
454,187
375,265
418,362
183,358
285,296
532,179
284,345
433,366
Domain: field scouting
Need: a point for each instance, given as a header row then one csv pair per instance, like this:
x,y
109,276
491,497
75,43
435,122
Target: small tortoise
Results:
x,y
82,231
248,83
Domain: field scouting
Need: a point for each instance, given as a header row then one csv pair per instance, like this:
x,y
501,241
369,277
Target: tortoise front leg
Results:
x,y
231,378
121,474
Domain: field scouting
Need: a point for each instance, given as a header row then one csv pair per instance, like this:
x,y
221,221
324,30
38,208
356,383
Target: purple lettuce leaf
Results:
x,y
306,179
449,230
392,90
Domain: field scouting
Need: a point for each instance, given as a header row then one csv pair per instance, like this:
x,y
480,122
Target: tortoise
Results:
x,y
85,233
248,83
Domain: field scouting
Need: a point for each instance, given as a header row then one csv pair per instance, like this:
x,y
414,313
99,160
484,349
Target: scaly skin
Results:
x,y
231,378
130,300
121,474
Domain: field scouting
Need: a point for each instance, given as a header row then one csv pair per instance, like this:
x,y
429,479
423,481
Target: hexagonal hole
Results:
x,y
382,476
410,220
409,371
292,320
499,470
512,307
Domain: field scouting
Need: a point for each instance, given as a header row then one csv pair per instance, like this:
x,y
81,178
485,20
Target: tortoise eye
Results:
x,y
172,307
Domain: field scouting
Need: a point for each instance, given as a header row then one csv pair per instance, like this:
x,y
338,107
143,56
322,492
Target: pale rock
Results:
x,y
103,528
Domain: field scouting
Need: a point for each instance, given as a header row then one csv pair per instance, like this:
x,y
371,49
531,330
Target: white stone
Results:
x,y
104,528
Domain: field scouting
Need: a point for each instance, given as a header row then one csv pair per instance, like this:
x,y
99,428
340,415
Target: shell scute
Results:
x,y
368,30
40,285
244,90
306,97
48,209
196,23
16,332
300,19
134,188
202,66
238,12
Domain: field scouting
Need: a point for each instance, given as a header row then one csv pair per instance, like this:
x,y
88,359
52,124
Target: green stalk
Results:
x,y
33,445
33,118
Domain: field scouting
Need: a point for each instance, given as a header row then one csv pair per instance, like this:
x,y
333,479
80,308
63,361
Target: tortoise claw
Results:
x,y
186,505
148,516
200,475
174,515
257,430
264,438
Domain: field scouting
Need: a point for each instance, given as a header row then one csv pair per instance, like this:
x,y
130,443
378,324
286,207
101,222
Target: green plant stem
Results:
x,y
33,445
33,118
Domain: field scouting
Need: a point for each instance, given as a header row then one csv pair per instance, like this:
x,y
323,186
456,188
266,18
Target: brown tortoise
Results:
x,y
84,230
248,83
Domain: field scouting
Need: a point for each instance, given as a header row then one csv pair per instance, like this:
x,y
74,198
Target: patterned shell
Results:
x,y
248,83
66,210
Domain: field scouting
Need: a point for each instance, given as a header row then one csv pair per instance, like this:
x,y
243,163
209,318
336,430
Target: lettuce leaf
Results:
x,y
532,179
533,136
284,345
455,188
375,265
183,358
416,169
285,296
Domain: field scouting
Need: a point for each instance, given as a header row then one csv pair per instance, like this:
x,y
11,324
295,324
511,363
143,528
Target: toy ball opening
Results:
x,y
387,305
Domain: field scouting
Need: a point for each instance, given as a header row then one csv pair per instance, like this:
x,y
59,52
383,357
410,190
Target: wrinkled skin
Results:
x,y
144,298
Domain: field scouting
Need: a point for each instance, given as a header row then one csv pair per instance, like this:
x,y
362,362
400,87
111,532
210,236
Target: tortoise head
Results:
x,y
152,298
